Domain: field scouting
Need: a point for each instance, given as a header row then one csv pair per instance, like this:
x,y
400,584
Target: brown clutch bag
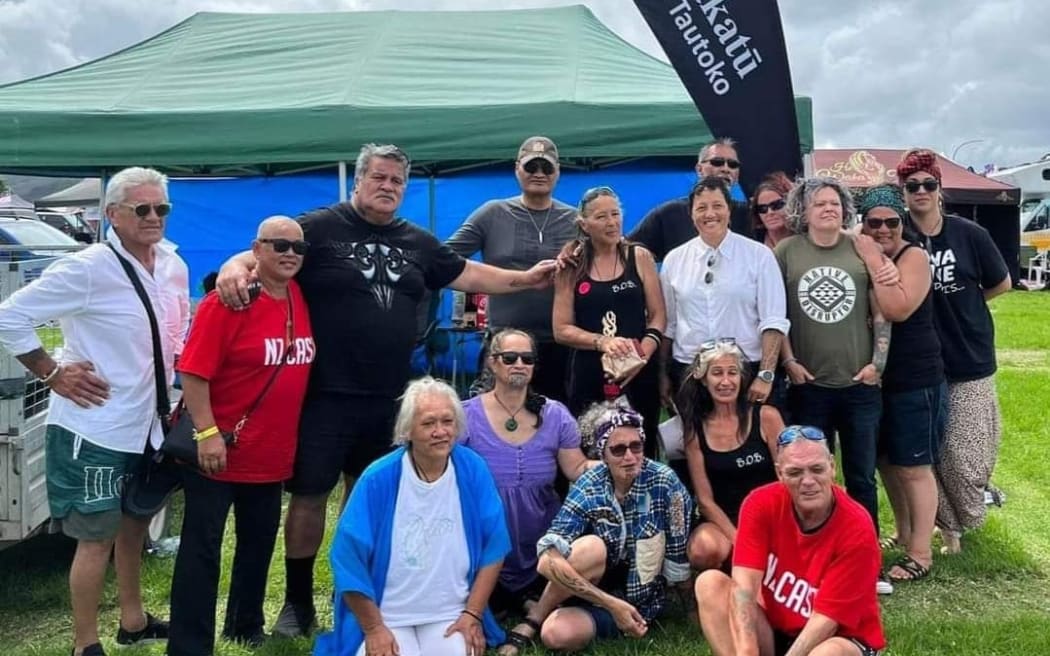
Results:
x,y
617,369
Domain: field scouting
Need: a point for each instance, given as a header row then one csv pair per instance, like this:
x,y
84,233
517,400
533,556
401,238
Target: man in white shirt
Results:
x,y
103,412
718,286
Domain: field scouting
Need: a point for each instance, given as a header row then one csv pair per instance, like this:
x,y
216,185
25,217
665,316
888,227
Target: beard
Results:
x,y
518,380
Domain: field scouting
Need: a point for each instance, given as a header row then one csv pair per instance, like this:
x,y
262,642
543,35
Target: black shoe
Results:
x,y
155,631
94,649
294,621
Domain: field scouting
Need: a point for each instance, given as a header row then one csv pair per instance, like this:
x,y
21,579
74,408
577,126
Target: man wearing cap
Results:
x,y
515,233
804,565
670,225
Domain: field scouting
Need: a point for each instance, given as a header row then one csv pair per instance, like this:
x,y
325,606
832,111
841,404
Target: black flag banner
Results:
x,y
731,57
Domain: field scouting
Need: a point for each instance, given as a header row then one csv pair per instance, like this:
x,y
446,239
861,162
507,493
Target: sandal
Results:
x,y
915,570
889,542
517,640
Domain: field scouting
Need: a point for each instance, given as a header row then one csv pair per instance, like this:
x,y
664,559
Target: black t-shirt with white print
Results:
x,y
363,284
964,261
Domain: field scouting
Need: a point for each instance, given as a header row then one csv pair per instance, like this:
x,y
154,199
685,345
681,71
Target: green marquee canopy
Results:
x,y
235,94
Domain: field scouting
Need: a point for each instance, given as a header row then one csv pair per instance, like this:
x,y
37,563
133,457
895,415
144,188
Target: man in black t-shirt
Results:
x,y
363,279
670,225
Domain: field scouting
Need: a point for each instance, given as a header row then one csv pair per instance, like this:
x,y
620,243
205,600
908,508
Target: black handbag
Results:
x,y
178,427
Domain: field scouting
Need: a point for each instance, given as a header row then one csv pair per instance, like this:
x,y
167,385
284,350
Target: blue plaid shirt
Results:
x,y
649,531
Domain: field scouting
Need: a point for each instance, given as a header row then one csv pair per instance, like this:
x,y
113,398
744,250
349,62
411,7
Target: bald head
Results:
x,y
279,226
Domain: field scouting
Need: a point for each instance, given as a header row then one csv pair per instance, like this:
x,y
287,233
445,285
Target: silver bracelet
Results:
x,y
51,376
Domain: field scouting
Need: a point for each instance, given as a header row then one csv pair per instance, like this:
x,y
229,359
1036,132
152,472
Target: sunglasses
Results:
x,y
510,357
892,223
792,433
719,162
142,210
762,208
709,277
299,246
712,344
620,450
929,184
538,164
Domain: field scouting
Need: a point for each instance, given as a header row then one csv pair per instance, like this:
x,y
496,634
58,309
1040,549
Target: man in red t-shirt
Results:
x,y
243,373
805,564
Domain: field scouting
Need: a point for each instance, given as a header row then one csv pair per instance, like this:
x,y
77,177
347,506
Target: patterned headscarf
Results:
x,y
916,160
617,418
881,196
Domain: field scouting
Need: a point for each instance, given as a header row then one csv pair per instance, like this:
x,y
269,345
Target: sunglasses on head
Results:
x,y
298,246
929,184
620,450
892,223
762,208
715,343
538,164
719,162
792,433
142,210
510,357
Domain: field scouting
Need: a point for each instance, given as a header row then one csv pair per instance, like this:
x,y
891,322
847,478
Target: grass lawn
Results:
x,y
990,600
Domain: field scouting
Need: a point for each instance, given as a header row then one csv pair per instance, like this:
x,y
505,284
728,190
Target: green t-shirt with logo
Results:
x,y
828,305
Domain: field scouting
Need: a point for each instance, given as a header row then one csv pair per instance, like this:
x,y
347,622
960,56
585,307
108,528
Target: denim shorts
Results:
x,y
913,425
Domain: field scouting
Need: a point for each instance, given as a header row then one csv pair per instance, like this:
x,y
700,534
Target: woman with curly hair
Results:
x,y
525,438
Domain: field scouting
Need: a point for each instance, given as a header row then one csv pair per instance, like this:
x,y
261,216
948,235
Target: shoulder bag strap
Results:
x,y
273,376
163,403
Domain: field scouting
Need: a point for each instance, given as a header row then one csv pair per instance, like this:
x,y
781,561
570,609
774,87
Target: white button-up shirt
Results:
x,y
103,322
745,296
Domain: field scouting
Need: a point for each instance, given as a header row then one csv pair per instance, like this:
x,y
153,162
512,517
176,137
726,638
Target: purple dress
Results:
x,y
525,479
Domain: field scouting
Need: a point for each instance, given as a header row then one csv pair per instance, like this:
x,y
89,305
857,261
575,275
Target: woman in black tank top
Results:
x,y
914,392
728,446
609,302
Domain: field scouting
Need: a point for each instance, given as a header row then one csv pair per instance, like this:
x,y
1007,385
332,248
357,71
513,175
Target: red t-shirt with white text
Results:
x,y
831,571
236,352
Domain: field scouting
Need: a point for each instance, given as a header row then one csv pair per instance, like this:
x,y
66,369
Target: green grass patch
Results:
x,y
991,600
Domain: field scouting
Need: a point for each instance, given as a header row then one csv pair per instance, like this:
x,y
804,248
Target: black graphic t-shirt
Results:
x,y
363,284
964,261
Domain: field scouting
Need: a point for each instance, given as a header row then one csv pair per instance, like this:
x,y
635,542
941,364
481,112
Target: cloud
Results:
x,y
892,73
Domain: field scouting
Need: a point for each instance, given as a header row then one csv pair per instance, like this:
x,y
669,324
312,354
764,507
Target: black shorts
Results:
x,y
339,434
782,643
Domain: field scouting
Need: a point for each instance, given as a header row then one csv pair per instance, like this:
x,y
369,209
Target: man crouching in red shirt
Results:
x,y
805,565
244,374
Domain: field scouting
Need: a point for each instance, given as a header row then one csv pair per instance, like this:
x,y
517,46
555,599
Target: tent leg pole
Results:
x,y
342,181
102,181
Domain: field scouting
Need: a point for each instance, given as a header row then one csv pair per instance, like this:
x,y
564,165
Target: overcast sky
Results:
x,y
889,73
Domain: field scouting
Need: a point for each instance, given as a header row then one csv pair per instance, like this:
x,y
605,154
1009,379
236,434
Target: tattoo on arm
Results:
x,y
881,351
567,577
744,612
771,344
37,361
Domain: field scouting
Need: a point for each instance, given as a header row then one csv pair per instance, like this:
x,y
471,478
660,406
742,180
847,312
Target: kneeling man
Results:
x,y
805,564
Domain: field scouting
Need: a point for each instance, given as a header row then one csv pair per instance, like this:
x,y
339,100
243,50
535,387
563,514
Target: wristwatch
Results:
x,y
766,376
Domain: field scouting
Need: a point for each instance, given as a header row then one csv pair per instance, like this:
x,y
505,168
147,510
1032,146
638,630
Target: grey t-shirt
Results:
x,y
508,235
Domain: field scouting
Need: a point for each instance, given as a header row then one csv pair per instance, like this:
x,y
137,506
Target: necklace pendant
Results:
x,y
540,232
511,424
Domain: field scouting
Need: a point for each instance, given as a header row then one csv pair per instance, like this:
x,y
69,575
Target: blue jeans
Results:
x,y
853,412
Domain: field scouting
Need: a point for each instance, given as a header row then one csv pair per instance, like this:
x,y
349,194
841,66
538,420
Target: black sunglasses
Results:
x,y
719,162
538,164
510,357
299,246
142,210
762,208
892,223
929,184
792,433
620,450
709,277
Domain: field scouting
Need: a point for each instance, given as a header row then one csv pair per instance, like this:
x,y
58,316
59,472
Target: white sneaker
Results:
x,y
883,585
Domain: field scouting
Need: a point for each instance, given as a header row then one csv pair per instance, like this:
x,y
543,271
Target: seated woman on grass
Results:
x,y
617,542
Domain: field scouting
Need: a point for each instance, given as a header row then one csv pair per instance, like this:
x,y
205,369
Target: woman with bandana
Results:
x,y
914,392
968,271
616,544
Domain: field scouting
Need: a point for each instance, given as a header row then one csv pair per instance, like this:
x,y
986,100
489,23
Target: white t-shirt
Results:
x,y
427,577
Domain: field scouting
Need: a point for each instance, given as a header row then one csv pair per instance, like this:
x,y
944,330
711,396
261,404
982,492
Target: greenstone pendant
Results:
x,y
511,424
